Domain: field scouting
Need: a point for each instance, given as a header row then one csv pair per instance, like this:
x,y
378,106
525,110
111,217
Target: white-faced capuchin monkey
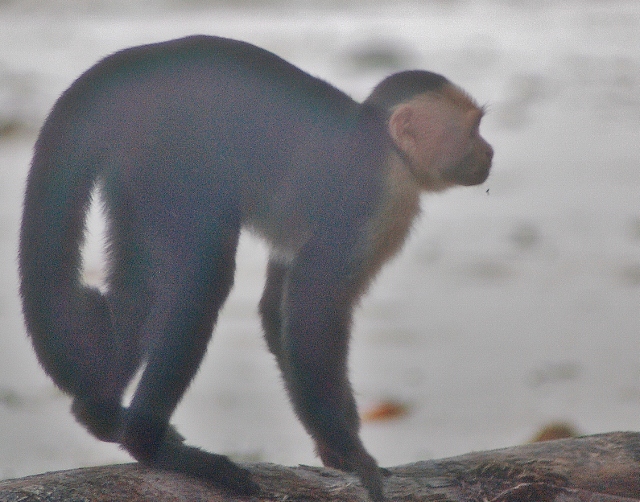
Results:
x,y
189,141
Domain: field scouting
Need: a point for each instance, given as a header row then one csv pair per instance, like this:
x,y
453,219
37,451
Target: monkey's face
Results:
x,y
438,135
473,167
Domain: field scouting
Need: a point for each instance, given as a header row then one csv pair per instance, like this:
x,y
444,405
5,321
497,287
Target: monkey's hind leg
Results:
x,y
192,278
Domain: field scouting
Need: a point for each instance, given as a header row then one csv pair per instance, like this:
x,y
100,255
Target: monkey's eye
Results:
x,y
475,123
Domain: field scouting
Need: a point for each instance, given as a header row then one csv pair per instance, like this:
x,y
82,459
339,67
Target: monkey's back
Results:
x,y
226,117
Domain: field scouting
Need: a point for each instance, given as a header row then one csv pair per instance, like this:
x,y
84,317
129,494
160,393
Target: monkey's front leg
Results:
x,y
317,304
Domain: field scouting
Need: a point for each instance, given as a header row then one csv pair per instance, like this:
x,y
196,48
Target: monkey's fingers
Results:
x,y
217,469
360,463
333,459
370,475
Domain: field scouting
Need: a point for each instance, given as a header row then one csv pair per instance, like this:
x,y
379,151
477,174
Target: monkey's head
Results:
x,y
434,126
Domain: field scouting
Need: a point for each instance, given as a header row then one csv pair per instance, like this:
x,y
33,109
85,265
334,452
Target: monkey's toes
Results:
x,y
211,467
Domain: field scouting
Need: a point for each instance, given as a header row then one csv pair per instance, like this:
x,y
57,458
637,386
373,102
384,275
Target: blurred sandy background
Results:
x,y
514,304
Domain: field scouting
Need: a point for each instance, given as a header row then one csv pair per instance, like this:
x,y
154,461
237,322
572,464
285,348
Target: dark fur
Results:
x,y
188,141
403,86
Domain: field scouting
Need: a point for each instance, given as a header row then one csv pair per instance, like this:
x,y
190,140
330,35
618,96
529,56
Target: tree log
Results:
x,y
601,468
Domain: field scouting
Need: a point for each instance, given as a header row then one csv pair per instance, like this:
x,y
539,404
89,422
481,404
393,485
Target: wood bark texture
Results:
x,y
601,468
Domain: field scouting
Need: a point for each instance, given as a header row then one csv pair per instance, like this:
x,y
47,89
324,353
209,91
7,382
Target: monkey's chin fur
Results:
x,y
439,181
475,178
467,177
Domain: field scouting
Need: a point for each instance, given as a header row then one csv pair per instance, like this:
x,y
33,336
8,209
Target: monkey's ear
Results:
x,y
401,129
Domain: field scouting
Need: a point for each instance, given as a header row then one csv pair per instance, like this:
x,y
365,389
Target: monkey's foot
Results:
x,y
217,469
159,445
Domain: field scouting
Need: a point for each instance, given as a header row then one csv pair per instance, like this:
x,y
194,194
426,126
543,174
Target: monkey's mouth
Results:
x,y
477,177
469,177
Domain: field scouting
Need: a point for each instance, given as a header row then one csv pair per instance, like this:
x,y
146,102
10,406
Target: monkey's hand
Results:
x,y
360,463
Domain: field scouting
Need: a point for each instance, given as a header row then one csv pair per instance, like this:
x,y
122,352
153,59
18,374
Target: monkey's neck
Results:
x,y
398,208
401,203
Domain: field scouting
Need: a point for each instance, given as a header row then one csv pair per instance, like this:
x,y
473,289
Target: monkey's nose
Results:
x,y
489,153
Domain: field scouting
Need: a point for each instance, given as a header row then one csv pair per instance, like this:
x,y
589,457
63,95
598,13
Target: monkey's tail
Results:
x,y
69,323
